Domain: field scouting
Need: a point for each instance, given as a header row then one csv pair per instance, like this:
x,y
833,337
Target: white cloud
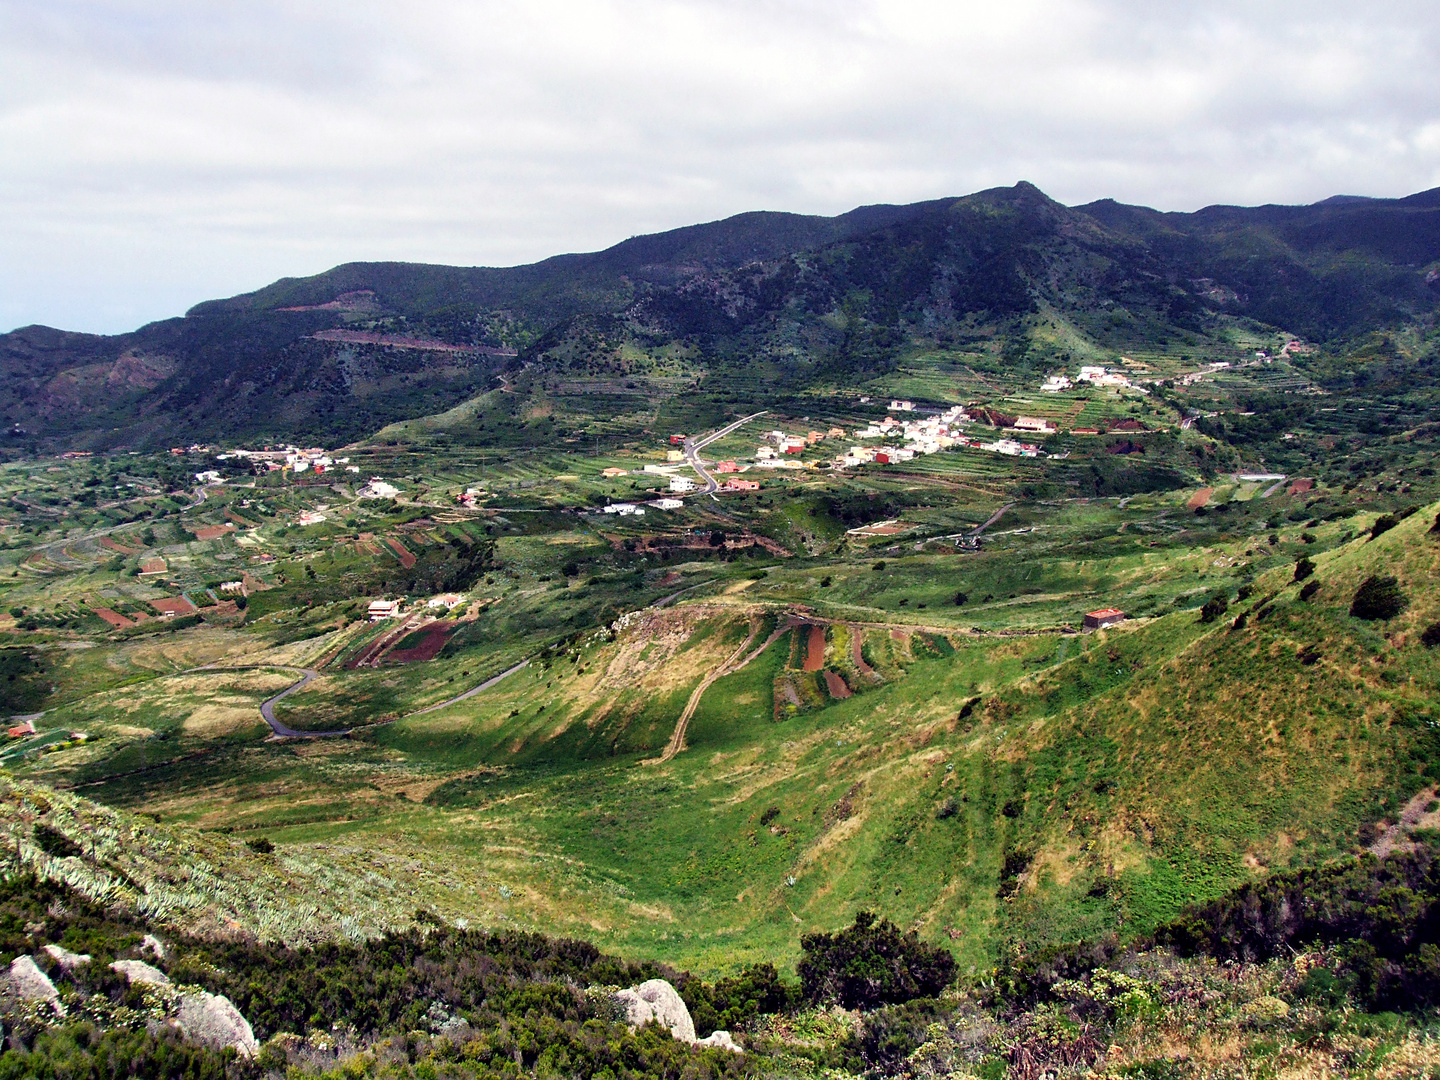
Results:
x,y
157,153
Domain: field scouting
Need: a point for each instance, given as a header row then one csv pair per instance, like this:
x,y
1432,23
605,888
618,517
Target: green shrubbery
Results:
x,y
1379,597
869,964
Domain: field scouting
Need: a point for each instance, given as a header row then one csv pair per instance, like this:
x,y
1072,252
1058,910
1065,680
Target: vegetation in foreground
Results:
x,y
1327,970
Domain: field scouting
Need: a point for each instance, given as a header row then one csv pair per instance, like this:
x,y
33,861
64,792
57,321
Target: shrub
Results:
x,y
1310,589
1430,636
961,599
1214,608
1379,597
1383,524
1304,568
871,964
260,845
879,565
54,843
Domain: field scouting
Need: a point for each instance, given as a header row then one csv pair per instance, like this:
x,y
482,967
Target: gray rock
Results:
x,y
67,959
32,984
213,1019
151,943
656,999
721,1040
137,971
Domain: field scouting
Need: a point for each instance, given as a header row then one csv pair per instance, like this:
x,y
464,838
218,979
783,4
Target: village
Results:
x,y
907,432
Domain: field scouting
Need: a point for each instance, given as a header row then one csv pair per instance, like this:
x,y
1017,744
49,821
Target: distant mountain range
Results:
x,y
743,305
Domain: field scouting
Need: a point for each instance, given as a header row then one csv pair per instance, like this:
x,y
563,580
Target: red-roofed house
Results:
x,y
1109,616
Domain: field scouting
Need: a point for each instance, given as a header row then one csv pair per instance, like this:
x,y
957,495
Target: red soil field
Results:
x,y
857,645
407,560
1200,498
114,618
436,635
213,532
815,650
836,685
106,542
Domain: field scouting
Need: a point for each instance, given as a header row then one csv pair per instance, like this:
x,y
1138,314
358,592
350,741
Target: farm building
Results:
x,y
19,731
384,609
1109,616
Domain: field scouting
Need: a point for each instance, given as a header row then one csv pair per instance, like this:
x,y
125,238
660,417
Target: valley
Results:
x,y
1030,626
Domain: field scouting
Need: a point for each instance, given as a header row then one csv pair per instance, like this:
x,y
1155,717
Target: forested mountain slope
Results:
x,y
735,308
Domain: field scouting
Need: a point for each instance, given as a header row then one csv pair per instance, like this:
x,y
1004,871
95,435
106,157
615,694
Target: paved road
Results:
x,y
468,693
267,708
694,446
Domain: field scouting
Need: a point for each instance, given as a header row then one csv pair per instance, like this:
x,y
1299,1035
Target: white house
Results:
x,y
681,484
384,609
1034,423
378,489
901,406
668,504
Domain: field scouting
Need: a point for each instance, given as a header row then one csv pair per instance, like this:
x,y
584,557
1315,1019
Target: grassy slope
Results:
x,y
1149,767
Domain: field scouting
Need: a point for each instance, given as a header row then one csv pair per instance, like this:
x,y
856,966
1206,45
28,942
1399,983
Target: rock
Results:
x,y
721,1040
656,999
32,984
213,1019
137,971
65,958
151,943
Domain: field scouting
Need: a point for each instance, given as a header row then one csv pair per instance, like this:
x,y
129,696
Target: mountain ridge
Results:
x,y
763,295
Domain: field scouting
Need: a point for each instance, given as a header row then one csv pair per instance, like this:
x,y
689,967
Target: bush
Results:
x,y
1216,606
1310,589
260,845
1430,636
1379,597
1304,568
54,843
1383,524
871,964
961,599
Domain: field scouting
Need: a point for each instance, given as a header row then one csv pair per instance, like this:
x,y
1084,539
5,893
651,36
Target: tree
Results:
x,y
1214,608
870,964
1379,597
1304,568
1383,524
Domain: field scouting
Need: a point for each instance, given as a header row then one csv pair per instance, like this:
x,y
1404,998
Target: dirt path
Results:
x,y
1415,814
729,667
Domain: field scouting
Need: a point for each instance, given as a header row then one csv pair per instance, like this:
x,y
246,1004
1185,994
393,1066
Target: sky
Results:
x,y
155,153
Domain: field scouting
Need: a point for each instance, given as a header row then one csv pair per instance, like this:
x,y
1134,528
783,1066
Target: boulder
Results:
x,y
151,943
721,1040
65,958
32,984
137,971
213,1019
656,999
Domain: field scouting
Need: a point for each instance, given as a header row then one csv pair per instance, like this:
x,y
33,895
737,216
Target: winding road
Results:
x,y
267,707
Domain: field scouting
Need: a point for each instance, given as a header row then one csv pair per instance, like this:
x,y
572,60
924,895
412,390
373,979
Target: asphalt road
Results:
x,y
267,709
694,446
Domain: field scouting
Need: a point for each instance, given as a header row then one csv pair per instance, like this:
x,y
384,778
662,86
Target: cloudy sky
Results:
x,y
154,153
